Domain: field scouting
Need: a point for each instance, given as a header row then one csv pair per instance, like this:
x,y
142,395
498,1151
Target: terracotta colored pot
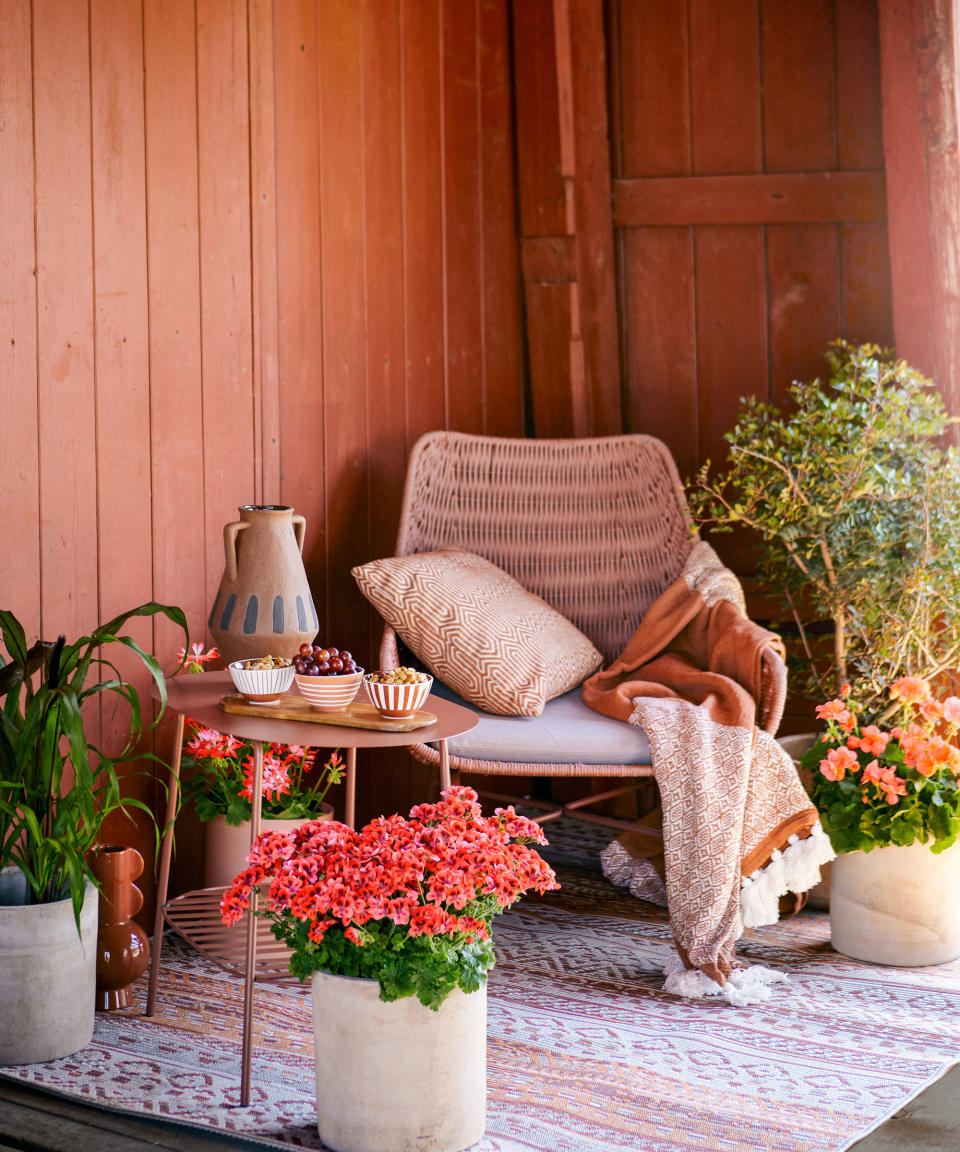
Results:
x,y
263,605
227,846
394,1076
123,950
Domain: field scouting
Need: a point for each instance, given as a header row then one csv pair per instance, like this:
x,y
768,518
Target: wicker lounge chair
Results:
x,y
598,528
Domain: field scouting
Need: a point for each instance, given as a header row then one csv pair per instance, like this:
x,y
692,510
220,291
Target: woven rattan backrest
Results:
x,y
597,527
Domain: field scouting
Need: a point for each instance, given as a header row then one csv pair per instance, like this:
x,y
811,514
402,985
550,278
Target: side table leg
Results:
x,y
351,798
444,765
246,1052
163,871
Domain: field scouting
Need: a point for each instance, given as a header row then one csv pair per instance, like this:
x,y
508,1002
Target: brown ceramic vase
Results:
x,y
123,950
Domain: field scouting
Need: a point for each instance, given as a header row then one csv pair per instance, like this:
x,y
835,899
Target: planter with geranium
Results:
x,y
393,924
885,781
218,781
852,497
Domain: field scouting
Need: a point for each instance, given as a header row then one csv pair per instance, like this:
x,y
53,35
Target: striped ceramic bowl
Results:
x,y
330,693
398,701
261,685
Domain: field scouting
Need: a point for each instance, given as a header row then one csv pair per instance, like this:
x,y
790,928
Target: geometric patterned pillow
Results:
x,y
484,635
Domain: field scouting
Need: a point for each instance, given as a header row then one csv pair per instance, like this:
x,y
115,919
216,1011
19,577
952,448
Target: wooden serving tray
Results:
x,y
359,714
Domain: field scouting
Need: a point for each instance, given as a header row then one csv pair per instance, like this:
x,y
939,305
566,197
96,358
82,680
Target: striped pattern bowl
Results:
x,y
330,693
261,685
398,701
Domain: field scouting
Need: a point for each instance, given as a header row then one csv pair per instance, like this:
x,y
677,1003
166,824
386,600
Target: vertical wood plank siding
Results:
x,y
19,440
251,249
729,289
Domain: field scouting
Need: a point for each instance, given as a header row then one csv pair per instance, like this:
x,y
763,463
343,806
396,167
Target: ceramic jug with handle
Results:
x,y
263,605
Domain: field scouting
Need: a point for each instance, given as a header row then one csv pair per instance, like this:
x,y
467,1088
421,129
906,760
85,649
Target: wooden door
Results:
x,y
748,203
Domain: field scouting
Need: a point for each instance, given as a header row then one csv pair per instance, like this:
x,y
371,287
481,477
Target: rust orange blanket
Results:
x,y
739,831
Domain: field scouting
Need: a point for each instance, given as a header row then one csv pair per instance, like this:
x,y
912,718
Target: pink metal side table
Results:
x,y
196,915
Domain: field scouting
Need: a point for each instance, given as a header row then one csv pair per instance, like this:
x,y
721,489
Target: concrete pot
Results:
x,y
48,978
795,747
227,846
398,1077
898,906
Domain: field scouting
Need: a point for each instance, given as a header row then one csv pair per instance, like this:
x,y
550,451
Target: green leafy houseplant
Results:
x,y
406,902
219,777
856,502
56,788
893,782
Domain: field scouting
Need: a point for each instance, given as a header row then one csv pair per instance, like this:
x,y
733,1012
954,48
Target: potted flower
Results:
x,y
855,502
219,783
885,781
56,789
393,924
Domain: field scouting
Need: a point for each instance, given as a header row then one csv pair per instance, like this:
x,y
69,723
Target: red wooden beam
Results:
x,y
782,198
919,83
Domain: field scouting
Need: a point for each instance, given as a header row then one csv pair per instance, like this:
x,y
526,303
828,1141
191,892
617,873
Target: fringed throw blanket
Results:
x,y
739,831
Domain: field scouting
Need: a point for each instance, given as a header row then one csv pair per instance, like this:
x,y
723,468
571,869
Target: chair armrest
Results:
x,y
773,691
389,651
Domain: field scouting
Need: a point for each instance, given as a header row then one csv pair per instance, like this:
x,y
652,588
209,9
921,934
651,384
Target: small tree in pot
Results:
x,y
856,501
56,789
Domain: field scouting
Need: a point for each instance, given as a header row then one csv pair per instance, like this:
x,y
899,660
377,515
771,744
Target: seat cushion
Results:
x,y
566,732
502,648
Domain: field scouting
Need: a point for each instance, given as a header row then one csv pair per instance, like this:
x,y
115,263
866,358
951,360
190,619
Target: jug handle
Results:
x,y
230,532
299,527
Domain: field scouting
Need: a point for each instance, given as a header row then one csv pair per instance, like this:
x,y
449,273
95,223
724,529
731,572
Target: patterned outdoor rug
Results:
x,y
586,1052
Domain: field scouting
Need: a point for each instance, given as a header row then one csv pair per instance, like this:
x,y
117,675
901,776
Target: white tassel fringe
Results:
x,y
795,869
744,986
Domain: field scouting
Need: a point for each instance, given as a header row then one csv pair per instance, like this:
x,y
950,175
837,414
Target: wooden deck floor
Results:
x,y
32,1120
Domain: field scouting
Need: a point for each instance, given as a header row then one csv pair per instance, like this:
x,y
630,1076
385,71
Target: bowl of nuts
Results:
x,y
398,692
263,680
327,677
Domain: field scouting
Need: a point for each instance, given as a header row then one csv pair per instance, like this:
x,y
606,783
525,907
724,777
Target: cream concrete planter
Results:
x,y
897,906
48,978
227,846
398,1077
795,747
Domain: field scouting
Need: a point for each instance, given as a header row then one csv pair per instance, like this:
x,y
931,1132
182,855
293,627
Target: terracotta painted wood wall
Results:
x,y
749,204
251,249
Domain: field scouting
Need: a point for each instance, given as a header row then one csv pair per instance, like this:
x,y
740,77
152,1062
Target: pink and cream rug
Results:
x,y
586,1052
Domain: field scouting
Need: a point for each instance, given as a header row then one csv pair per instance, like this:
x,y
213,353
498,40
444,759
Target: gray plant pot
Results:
x,y
795,747
48,975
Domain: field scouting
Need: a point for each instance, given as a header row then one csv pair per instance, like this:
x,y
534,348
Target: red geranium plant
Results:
x,y
407,902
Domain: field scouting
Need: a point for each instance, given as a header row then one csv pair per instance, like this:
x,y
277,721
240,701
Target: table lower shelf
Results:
x,y
196,917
